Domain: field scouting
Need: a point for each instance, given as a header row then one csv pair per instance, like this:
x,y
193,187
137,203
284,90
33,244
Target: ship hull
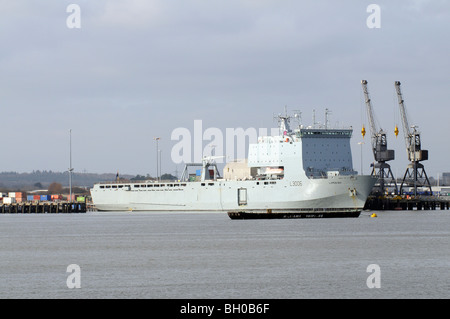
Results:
x,y
331,197
293,214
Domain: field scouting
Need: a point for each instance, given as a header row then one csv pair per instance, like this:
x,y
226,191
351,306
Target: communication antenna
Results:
x,y
298,117
283,122
326,117
314,117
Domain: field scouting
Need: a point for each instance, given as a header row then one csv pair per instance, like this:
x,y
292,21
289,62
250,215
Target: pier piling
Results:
x,y
43,208
426,203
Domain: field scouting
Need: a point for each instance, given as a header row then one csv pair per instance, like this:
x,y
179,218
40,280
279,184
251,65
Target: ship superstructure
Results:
x,y
305,172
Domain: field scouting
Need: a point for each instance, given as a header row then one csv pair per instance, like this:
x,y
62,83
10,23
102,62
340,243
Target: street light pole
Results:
x,y
157,157
70,164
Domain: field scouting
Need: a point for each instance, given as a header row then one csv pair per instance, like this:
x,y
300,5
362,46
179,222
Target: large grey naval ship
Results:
x,y
306,172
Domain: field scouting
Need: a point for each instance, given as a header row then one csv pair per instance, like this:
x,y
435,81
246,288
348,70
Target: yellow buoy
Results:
x,y
363,131
396,131
373,215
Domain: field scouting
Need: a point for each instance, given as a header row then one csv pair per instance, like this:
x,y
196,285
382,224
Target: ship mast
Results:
x,y
283,122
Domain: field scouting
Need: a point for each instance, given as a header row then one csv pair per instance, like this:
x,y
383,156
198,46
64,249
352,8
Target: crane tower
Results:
x,y
415,175
381,154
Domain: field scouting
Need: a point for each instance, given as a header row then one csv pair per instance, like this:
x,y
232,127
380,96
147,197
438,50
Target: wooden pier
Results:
x,y
43,208
397,203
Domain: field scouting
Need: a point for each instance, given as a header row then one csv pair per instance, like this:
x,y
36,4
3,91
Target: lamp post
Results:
x,y
70,165
160,165
157,157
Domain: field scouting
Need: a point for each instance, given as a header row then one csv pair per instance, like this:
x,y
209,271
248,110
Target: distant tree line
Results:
x,y
164,177
43,180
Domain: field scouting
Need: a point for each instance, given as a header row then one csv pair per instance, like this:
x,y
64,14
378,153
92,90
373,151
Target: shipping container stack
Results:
x,y
19,197
12,197
19,202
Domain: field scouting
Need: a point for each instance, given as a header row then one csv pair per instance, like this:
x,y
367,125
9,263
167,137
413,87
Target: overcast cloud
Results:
x,y
139,69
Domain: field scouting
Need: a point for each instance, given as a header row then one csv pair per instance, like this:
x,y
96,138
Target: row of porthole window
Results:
x,y
143,185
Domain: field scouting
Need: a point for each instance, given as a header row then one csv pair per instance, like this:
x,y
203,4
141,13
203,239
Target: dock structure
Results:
x,y
396,203
43,208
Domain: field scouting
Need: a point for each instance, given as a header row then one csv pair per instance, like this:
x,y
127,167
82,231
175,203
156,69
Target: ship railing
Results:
x,y
135,182
327,177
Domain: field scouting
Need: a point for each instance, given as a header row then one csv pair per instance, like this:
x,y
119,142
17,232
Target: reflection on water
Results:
x,y
207,255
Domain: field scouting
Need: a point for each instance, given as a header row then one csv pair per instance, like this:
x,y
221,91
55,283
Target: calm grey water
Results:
x,y
207,255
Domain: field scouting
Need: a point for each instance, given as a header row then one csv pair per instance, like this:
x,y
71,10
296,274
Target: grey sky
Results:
x,y
141,68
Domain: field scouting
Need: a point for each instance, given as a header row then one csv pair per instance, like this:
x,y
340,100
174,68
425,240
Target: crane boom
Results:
x,y
406,133
412,137
379,140
373,129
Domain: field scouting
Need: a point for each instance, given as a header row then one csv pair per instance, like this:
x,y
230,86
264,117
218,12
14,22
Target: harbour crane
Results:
x,y
381,154
415,175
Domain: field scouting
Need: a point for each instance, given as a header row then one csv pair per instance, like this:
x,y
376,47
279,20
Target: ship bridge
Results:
x,y
314,152
326,152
